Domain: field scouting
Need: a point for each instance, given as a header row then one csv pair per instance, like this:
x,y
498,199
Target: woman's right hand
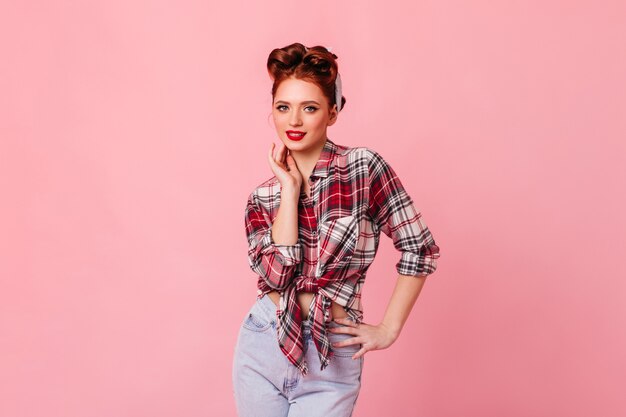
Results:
x,y
284,167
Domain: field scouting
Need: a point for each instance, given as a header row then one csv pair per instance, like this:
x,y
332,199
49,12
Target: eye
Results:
x,y
312,108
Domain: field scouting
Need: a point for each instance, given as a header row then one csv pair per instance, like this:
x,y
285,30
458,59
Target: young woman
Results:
x,y
313,230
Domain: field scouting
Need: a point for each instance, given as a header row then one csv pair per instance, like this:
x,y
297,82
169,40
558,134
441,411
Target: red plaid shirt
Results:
x,y
355,195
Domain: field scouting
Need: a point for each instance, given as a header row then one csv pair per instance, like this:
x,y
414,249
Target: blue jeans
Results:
x,y
266,384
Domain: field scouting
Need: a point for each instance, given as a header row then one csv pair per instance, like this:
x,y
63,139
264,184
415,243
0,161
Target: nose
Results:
x,y
295,119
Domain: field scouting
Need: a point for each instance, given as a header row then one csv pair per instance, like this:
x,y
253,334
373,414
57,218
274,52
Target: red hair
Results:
x,y
316,64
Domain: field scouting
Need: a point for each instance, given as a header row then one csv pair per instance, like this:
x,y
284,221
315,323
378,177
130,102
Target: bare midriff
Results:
x,y
304,300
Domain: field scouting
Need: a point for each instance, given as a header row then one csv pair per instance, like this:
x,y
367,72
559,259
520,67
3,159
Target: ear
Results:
x,y
333,115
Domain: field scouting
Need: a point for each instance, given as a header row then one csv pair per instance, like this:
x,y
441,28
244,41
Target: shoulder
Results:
x,y
376,165
363,159
267,184
357,154
367,156
265,191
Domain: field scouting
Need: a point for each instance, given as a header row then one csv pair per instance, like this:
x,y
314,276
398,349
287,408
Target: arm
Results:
x,y
285,227
404,295
273,248
383,335
393,212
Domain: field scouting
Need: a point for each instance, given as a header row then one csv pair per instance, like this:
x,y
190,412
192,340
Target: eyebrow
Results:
x,y
304,102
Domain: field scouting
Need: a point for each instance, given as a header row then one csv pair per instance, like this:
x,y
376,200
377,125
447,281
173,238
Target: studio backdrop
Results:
x,y
132,132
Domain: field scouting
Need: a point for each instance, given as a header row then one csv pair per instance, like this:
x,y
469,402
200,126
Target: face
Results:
x,y
300,106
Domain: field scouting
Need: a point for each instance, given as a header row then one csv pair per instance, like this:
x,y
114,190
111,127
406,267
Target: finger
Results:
x,y
347,322
271,159
270,155
340,329
348,342
280,155
291,163
360,353
277,152
282,152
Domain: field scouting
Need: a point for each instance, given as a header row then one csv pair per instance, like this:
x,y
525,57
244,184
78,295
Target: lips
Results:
x,y
295,134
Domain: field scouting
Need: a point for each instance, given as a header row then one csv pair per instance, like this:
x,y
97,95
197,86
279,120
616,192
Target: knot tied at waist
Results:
x,y
289,321
304,283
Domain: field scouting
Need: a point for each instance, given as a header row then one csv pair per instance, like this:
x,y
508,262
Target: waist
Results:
x,y
304,300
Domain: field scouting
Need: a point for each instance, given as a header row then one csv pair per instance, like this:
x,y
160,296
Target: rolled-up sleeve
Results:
x,y
394,213
273,262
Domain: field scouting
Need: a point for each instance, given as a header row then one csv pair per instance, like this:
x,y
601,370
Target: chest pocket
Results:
x,y
337,242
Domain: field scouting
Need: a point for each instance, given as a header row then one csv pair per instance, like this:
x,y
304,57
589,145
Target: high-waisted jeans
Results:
x,y
266,384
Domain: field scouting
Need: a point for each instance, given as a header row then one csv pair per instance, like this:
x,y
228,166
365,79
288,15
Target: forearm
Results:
x,y
403,298
285,226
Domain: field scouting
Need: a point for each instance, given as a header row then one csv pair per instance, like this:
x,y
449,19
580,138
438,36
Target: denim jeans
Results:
x,y
266,384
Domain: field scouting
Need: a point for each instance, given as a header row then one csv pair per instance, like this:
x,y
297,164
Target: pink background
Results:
x,y
132,132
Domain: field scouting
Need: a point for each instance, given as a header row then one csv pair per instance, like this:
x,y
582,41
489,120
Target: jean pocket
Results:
x,y
342,351
257,321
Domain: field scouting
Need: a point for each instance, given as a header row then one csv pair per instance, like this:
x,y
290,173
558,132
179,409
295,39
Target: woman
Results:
x,y
313,230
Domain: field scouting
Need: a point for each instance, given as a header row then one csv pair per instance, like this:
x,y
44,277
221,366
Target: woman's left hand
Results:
x,y
372,337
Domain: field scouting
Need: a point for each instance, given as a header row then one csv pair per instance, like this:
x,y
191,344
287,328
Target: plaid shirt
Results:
x,y
355,195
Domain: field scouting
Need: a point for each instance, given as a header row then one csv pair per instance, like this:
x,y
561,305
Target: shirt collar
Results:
x,y
326,158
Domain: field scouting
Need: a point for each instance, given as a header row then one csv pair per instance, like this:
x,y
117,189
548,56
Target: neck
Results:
x,y
306,160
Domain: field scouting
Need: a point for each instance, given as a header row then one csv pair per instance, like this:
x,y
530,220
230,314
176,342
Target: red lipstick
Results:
x,y
295,134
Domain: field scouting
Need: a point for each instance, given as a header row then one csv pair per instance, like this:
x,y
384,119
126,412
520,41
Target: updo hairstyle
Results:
x,y
316,64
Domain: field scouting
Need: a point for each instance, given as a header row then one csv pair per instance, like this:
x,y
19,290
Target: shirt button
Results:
x,y
314,232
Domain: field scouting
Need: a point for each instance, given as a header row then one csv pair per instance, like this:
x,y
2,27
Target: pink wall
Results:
x,y
132,132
